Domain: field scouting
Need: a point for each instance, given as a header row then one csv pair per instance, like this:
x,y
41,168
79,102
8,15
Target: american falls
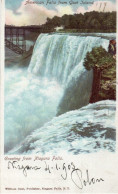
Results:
x,y
33,95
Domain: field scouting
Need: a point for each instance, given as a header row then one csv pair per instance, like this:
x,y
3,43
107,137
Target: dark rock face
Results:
x,y
104,84
104,74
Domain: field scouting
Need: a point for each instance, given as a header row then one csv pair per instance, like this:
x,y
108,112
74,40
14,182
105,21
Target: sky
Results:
x,y
36,12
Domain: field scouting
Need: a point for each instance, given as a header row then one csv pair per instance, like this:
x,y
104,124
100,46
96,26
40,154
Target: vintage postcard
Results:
x,y
58,100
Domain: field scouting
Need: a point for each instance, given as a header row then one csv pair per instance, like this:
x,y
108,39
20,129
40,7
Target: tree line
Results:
x,y
91,21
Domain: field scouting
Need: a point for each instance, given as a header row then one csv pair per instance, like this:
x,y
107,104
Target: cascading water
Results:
x,y
61,57
32,97
57,55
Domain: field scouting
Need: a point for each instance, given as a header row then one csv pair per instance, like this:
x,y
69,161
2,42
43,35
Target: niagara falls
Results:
x,y
33,95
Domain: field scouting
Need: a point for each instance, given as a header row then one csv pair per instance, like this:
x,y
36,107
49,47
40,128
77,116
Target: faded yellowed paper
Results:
x,y
58,96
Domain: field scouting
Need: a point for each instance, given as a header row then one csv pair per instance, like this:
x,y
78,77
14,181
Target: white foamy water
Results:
x,y
89,129
29,103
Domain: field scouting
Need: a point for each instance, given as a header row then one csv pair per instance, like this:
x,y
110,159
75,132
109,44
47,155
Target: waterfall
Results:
x,y
59,56
57,82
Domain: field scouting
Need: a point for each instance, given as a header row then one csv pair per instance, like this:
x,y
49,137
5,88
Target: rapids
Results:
x,y
89,129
